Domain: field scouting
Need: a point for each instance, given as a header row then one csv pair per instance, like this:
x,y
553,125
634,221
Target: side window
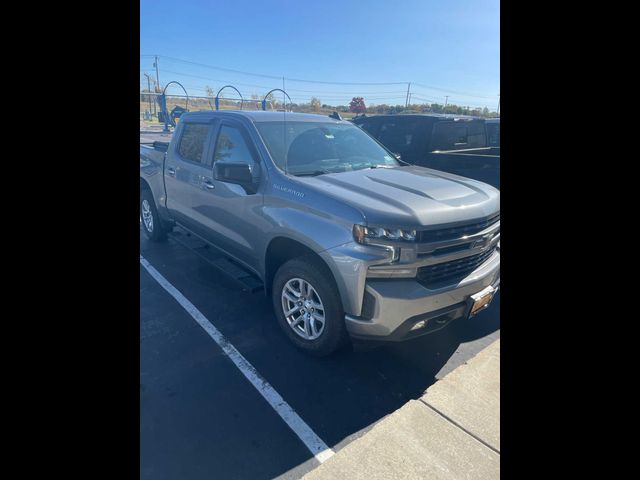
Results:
x,y
400,136
231,147
493,131
454,135
476,135
367,126
194,136
449,136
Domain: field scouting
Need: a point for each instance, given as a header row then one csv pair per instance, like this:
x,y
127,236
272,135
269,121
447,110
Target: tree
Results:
x,y
210,95
357,105
316,104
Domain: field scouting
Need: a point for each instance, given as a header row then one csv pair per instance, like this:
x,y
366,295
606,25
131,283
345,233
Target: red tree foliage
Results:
x,y
357,105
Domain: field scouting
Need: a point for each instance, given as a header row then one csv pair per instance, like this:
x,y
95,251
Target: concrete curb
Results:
x,y
451,432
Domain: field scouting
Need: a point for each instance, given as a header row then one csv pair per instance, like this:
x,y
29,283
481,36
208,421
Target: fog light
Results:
x,y
418,325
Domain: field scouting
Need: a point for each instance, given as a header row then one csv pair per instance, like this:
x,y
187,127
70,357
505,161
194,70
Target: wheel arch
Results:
x,y
144,185
281,250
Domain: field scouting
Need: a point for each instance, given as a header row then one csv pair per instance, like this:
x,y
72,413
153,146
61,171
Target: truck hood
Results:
x,y
409,196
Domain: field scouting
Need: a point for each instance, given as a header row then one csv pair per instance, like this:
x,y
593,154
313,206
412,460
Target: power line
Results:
x,y
344,83
276,77
216,79
315,92
219,68
345,93
189,62
465,94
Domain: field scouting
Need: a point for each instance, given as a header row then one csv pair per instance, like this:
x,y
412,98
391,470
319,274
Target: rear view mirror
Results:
x,y
238,173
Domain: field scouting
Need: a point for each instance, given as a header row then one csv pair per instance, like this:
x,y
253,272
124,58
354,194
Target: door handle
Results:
x,y
171,171
208,184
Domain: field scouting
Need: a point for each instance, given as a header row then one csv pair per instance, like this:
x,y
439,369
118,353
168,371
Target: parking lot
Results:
x,y
200,417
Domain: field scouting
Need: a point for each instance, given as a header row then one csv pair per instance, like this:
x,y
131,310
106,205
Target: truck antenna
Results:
x,y
284,129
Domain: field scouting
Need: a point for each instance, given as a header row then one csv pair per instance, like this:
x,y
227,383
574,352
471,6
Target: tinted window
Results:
x,y
454,135
192,142
401,136
493,131
368,126
231,147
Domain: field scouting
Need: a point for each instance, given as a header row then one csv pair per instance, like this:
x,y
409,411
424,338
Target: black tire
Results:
x,y
158,231
334,334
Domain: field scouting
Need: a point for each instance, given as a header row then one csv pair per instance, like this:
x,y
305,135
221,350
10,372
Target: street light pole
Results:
x,y
444,109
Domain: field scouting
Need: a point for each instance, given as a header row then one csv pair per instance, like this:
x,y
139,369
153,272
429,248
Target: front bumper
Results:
x,y
392,307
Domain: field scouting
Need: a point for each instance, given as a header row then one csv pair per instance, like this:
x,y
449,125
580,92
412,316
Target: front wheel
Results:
x,y
308,307
151,223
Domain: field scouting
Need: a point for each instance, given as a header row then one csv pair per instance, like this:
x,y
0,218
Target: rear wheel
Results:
x,y
151,223
308,307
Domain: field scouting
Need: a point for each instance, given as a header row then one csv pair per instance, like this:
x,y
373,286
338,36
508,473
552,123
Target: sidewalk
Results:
x,y
451,432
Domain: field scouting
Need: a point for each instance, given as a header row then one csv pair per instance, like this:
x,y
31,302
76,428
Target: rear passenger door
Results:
x,y
187,171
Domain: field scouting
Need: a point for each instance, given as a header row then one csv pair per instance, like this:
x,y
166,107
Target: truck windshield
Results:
x,y
315,148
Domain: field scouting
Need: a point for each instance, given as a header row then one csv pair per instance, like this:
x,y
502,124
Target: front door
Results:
x,y
230,214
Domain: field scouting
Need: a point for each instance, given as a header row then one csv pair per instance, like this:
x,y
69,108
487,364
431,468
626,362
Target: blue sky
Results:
x,y
443,47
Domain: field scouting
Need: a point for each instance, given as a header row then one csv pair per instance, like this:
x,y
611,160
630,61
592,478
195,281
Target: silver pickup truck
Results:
x,y
347,240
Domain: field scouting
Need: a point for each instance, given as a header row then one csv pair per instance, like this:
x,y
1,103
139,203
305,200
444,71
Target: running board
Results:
x,y
242,277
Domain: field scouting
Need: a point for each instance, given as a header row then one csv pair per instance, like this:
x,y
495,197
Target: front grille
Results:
x,y
435,275
427,236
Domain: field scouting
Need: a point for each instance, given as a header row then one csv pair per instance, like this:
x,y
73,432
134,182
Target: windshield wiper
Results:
x,y
315,173
377,165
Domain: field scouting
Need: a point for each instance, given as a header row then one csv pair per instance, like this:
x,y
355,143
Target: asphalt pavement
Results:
x,y
201,418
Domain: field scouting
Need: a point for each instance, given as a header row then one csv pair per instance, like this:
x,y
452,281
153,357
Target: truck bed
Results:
x,y
483,166
150,136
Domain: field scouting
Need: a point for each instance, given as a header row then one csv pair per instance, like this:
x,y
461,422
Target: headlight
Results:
x,y
364,234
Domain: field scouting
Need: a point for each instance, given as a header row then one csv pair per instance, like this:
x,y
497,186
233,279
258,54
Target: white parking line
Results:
x,y
318,448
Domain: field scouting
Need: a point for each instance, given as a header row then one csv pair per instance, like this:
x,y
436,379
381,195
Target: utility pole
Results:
x,y
154,99
446,98
498,104
155,64
149,90
406,102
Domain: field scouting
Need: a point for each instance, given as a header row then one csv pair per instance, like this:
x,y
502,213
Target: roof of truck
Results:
x,y
438,116
261,116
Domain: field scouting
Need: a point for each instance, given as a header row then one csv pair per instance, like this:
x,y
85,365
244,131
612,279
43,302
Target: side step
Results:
x,y
244,278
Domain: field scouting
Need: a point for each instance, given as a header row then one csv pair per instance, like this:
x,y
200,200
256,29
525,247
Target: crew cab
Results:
x,y
348,241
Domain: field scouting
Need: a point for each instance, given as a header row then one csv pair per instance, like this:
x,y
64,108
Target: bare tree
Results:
x,y
316,104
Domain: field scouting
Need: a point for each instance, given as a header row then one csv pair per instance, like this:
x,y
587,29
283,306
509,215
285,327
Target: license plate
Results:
x,y
482,299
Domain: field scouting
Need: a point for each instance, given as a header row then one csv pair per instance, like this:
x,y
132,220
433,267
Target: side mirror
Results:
x,y
397,155
238,173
